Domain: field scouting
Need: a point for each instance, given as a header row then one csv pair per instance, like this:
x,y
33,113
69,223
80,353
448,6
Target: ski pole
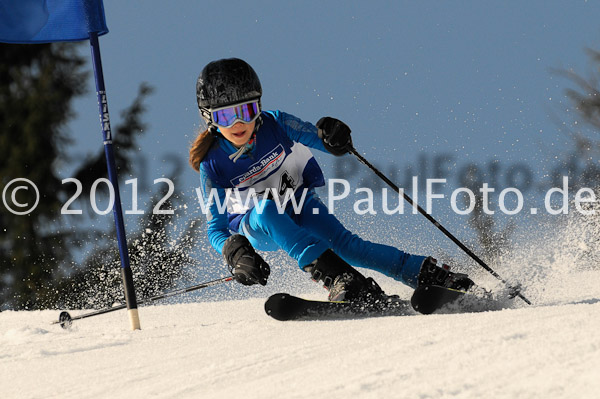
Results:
x,y
437,224
65,320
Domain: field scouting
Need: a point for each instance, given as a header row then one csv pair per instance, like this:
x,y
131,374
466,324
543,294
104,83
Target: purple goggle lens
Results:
x,y
228,116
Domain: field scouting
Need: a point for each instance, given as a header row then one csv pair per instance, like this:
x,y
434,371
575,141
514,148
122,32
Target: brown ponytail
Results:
x,y
200,147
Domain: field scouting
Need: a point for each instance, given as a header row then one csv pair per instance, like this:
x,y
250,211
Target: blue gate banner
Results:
x,y
45,21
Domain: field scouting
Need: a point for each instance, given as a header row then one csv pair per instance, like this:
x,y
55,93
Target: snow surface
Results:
x,y
232,349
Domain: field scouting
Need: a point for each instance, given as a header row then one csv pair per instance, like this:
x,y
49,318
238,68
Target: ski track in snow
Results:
x,y
231,349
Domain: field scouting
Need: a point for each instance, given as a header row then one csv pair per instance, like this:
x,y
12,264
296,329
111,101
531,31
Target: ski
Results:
x,y
425,300
432,298
284,307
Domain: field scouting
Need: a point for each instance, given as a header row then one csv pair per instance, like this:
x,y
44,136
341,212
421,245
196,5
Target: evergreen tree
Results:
x,y
37,86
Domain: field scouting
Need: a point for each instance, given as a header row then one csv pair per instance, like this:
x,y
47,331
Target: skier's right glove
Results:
x,y
246,266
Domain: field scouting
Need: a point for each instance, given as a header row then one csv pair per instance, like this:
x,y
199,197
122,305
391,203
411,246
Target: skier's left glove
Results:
x,y
335,135
246,266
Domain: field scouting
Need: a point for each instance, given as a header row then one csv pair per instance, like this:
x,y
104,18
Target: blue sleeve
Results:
x,y
214,206
298,130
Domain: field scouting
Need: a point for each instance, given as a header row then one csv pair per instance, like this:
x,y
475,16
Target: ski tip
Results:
x,y
65,320
285,307
275,306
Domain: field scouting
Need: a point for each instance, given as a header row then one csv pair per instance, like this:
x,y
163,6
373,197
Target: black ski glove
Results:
x,y
335,135
244,263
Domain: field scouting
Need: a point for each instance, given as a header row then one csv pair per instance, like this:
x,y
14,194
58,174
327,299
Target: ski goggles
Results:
x,y
228,116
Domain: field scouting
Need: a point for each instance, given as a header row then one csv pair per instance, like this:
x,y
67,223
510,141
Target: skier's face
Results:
x,y
239,133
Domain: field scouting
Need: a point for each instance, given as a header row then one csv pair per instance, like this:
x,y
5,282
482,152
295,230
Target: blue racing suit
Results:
x,y
259,189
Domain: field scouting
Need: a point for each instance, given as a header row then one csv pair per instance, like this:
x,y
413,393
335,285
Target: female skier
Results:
x,y
248,152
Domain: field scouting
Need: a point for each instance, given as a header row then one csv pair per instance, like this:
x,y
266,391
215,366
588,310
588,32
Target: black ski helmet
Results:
x,y
226,82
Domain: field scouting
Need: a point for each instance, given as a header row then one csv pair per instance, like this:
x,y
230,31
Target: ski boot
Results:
x,y
432,274
343,282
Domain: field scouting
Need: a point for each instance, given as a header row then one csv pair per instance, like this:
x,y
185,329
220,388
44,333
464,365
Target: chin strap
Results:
x,y
249,145
245,148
